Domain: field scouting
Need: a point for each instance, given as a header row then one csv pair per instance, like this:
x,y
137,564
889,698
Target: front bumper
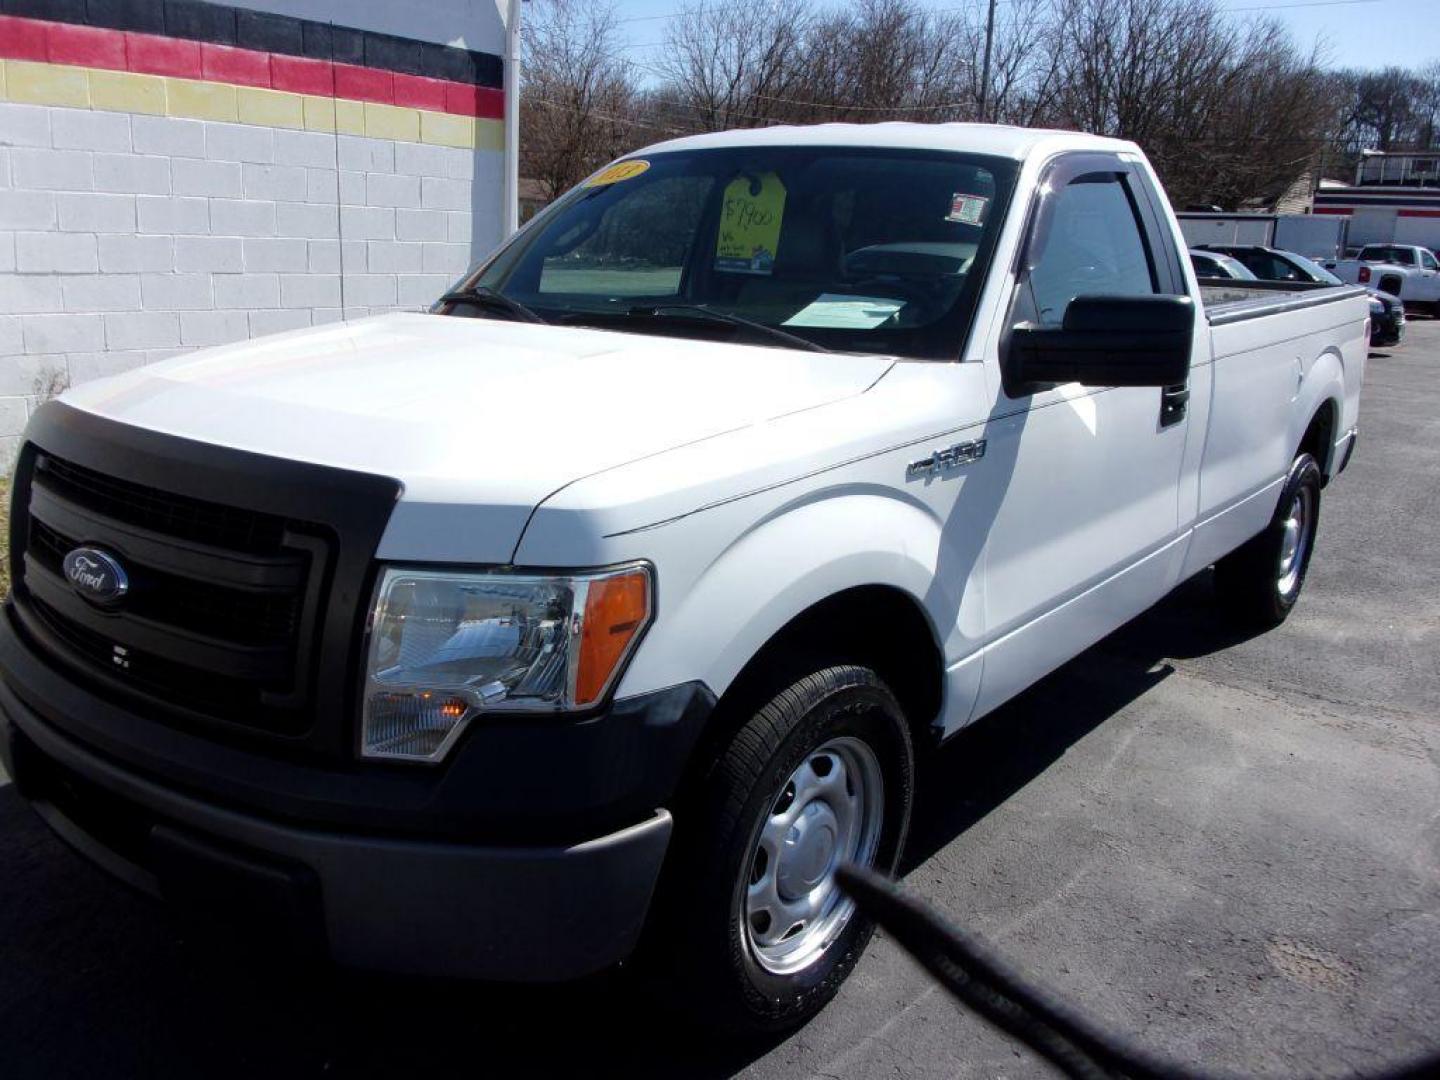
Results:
x,y
1388,329
454,905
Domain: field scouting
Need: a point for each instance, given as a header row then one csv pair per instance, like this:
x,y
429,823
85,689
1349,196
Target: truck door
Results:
x,y
1430,273
1087,534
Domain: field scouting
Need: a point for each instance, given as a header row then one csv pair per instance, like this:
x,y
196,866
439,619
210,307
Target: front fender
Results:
x,y
799,553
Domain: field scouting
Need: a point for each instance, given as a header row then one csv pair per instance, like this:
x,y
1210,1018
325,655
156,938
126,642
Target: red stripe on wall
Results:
x,y
1399,213
153,54
88,46
364,84
419,92
22,39
227,64
302,76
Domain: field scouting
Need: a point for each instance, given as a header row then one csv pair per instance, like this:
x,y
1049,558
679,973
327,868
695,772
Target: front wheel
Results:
x,y
1260,582
820,775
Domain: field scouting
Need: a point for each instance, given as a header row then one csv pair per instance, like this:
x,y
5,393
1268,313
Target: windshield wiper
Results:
x,y
484,296
659,311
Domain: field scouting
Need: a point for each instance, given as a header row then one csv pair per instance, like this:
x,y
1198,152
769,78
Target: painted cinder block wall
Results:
x,y
181,173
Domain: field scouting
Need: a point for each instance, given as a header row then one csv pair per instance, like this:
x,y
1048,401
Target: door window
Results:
x,y
1269,267
1095,247
1427,260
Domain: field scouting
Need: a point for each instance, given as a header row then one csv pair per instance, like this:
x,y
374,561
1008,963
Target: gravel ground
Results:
x,y
1228,849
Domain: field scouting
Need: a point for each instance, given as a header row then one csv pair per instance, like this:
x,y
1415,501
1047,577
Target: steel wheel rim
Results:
x,y
829,811
1294,543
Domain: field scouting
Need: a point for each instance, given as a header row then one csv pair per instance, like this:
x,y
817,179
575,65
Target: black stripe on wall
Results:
x,y
195,20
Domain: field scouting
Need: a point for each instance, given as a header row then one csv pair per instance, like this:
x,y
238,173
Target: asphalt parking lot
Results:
x,y
1228,849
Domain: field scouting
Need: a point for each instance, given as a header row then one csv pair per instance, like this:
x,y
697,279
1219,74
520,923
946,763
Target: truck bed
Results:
x,y
1239,301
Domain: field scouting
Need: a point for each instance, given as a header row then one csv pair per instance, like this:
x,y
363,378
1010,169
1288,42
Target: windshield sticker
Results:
x,y
624,170
750,224
967,209
832,311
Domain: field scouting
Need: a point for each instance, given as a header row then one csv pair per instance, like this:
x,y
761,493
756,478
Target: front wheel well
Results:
x,y
874,626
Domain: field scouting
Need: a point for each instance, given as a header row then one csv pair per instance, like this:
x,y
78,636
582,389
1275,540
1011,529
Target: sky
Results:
x,y
1355,33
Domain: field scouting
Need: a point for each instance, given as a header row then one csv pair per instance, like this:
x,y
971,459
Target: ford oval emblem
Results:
x,y
96,575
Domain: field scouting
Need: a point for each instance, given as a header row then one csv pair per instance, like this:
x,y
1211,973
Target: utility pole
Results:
x,y
511,216
985,73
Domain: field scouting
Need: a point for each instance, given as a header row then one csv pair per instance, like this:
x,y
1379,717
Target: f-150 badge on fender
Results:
x,y
941,461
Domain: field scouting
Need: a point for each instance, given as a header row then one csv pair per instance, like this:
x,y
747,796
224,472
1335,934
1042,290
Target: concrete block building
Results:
x,y
182,173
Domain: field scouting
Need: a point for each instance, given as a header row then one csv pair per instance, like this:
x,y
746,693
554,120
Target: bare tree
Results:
x,y
1425,108
1228,112
725,66
578,102
1024,60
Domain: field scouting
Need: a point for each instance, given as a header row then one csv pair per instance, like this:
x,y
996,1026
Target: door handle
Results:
x,y
1174,402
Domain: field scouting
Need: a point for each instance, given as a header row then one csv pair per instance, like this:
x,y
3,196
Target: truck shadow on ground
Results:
x,y
984,764
99,982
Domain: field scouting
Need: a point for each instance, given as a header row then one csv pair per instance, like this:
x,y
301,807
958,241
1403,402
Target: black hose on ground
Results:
x,y
993,988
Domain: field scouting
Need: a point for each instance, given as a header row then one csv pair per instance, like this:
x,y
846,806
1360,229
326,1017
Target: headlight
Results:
x,y
446,647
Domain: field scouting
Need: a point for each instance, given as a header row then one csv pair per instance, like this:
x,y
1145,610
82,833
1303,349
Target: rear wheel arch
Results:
x,y
1319,438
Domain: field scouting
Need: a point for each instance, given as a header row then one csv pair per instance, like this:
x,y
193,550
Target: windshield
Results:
x,y
848,249
1314,269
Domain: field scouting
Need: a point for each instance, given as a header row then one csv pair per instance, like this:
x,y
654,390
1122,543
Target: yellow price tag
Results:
x,y
750,224
624,170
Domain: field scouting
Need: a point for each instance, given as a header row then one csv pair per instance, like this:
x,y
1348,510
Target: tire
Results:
x,y
722,915
1259,583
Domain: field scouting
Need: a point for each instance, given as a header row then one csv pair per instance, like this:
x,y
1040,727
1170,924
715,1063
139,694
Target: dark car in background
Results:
x,y
1216,266
1387,312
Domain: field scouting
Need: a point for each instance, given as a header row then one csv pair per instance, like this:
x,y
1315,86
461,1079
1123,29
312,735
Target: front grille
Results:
x,y
247,617
220,614
177,516
248,581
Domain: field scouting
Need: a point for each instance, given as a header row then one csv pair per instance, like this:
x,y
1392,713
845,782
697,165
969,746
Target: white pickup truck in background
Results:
x,y
612,601
1408,271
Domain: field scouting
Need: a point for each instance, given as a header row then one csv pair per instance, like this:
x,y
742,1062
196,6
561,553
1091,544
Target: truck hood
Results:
x,y
480,420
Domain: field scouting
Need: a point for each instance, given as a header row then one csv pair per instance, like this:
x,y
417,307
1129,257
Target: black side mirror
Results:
x,y
1108,341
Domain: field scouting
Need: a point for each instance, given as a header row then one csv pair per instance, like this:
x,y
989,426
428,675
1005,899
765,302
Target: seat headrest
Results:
x,y
808,248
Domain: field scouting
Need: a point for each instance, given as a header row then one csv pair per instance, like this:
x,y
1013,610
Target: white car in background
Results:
x,y
1408,271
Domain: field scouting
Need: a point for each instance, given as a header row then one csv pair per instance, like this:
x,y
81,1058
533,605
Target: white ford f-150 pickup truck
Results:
x,y
620,591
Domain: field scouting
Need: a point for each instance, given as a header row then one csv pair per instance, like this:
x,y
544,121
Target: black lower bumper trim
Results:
x,y
527,914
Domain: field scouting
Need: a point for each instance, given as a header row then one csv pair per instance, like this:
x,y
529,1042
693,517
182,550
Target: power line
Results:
x,y
652,70
1301,4
702,10
559,106
705,10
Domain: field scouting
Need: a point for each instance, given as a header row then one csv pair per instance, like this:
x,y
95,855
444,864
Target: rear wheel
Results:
x,y
820,775
1260,582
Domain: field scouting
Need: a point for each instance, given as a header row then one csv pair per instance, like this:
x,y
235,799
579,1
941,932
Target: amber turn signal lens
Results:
x,y
615,611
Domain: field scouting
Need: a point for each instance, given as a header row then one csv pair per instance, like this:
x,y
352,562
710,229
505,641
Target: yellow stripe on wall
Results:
x,y
33,83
